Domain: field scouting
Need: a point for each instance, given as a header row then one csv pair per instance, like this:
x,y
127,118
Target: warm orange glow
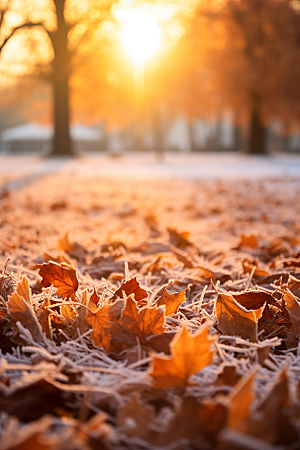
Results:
x,y
140,34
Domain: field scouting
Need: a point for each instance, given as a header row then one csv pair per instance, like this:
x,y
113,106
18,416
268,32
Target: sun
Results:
x,y
140,34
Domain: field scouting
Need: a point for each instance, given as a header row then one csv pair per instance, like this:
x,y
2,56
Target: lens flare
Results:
x,y
140,35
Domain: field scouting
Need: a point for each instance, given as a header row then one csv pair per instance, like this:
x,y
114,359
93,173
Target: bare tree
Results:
x,y
61,64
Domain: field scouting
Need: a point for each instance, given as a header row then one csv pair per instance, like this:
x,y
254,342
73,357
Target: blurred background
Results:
x,y
90,76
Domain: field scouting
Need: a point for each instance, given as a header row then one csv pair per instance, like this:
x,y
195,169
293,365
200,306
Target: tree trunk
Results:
x,y
257,136
62,145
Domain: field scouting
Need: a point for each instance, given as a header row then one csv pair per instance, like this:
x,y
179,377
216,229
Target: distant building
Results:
x,y
32,137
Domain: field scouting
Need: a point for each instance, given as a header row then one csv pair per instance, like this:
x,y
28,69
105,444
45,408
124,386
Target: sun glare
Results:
x,y
140,34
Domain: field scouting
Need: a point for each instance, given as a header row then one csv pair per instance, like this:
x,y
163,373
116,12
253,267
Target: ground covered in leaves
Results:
x,y
163,314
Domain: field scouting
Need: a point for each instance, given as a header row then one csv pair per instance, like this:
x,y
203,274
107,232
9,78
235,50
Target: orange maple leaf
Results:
x,y
189,354
132,286
118,330
62,276
171,301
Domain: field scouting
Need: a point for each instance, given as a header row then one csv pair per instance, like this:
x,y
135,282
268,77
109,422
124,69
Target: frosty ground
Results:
x,y
211,224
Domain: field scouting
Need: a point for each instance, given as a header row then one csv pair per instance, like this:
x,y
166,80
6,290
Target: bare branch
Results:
x,y
20,27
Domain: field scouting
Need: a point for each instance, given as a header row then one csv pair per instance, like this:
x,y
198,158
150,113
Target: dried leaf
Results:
x,y
293,285
248,268
20,310
234,319
180,240
69,313
74,249
101,321
240,399
211,273
171,301
273,418
62,276
132,286
135,418
248,241
228,376
8,285
182,257
189,354
95,298
292,304
43,316
117,331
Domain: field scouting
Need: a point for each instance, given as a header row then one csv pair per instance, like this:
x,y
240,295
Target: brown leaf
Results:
x,y
193,420
20,310
101,321
248,241
182,257
62,276
81,322
171,301
95,298
68,312
240,399
135,418
189,354
248,268
132,286
228,376
8,285
211,273
234,319
293,285
43,316
59,259
292,304
180,240
117,331
74,249
273,418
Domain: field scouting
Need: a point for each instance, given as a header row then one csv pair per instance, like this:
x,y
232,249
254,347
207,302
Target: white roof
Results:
x,y
36,132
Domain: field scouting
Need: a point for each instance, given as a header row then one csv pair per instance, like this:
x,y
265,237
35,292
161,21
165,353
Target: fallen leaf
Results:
x,y
248,241
20,310
59,259
101,321
211,273
68,312
182,257
234,319
132,286
189,354
95,298
74,249
273,416
293,284
81,324
135,418
43,316
228,376
171,301
292,305
240,400
8,285
62,276
248,268
180,240
118,330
